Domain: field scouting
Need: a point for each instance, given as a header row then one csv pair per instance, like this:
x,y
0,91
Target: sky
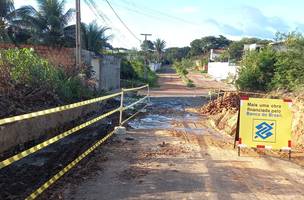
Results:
x,y
179,22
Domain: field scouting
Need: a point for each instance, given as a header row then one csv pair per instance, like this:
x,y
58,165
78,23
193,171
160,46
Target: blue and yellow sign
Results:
x,y
265,122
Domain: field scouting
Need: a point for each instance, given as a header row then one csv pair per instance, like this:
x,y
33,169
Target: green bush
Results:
x,y
257,70
29,69
289,71
127,71
134,70
182,68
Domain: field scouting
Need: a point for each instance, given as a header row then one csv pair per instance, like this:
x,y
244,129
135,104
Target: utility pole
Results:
x,y
146,60
78,35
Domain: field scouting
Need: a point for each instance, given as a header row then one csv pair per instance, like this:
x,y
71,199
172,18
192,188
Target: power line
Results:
x,y
99,14
123,23
157,11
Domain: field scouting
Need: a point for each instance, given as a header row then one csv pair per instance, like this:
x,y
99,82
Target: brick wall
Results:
x,y
64,57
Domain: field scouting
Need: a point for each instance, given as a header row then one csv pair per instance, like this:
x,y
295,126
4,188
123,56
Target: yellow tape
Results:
x,y
47,184
54,110
42,145
137,88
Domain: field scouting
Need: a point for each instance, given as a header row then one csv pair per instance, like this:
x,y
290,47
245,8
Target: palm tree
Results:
x,y
6,8
94,37
159,48
47,23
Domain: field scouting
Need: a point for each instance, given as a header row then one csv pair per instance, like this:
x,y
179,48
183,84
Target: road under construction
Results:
x,y
169,151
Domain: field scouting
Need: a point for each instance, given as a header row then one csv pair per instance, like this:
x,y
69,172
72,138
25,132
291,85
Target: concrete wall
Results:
x,y
154,66
221,70
19,133
106,68
110,73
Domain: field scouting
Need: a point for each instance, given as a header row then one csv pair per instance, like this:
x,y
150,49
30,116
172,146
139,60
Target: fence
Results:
x,y
60,136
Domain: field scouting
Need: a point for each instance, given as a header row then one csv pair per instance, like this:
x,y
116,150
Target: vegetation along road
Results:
x,y
172,153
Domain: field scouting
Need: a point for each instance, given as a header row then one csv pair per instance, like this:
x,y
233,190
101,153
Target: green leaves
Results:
x,y
47,23
257,70
289,71
27,68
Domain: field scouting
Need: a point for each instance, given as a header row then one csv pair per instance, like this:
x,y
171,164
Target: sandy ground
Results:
x,y
186,161
171,85
171,153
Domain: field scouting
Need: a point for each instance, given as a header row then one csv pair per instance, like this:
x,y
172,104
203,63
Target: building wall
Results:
x,y
221,70
107,68
63,57
110,72
154,66
24,132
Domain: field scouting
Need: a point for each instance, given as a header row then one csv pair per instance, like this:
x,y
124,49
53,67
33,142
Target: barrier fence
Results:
x,y
60,136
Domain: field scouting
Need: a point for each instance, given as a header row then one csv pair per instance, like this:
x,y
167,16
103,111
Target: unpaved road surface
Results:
x,y
171,85
171,153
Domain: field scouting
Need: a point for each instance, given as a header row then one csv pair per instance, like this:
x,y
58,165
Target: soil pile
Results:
x,y
229,101
22,99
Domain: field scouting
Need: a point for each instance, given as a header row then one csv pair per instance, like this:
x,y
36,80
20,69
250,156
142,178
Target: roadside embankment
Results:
x,y
223,113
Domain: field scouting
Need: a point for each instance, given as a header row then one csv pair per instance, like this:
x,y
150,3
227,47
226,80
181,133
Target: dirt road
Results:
x,y
171,85
171,153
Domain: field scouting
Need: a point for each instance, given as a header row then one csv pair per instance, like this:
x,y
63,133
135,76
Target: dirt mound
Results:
x,y
22,99
229,101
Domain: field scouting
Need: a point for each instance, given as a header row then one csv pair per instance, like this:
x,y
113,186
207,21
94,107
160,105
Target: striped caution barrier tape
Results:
x,y
51,181
137,88
55,110
46,143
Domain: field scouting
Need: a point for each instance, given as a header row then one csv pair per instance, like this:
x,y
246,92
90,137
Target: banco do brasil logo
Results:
x,y
264,130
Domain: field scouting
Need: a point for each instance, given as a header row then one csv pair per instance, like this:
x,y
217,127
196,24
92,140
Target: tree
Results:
x,y
6,6
147,45
203,45
257,70
46,24
196,47
289,69
159,48
235,50
176,54
94,37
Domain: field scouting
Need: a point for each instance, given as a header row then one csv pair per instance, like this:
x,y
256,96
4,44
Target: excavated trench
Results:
x,y
21,178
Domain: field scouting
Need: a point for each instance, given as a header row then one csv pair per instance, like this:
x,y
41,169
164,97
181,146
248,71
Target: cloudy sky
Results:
x,y
179,22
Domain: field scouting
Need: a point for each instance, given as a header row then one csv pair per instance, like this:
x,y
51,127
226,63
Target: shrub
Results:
x,y
257,70
134,70
27,68
127,71
289,71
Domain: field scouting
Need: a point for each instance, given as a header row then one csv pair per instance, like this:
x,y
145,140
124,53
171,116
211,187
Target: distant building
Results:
x,y
278,46
215,54
252,47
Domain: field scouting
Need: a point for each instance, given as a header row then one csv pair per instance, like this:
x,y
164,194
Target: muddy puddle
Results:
x,y
165,113
172,113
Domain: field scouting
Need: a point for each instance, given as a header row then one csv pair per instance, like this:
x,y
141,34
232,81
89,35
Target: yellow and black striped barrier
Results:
x,y
52,180
48,142
55,110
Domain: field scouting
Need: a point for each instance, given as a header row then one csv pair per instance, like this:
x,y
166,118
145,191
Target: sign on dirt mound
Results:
x,y
265,123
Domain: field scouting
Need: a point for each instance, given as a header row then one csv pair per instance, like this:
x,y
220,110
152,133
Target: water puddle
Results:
x,y
153,121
